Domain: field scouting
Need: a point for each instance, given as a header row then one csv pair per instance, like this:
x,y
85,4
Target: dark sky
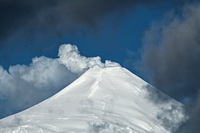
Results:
x,y
157,40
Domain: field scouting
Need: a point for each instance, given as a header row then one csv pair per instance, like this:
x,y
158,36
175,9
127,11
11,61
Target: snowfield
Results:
x,y
102,100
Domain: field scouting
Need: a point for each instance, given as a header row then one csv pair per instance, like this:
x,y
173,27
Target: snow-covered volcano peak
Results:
x,y
102,100
103,79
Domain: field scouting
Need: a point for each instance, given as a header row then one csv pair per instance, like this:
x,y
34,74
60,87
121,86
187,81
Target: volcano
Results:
x,y
102,100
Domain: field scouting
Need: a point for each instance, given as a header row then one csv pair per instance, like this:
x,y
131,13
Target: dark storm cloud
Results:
x,y
14,13
192,125
54,14
60,16
171,57
171,54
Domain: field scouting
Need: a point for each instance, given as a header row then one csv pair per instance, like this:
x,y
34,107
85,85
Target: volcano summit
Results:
x,y
102,100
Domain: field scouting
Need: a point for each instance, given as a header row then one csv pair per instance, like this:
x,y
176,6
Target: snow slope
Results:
x,y
102,100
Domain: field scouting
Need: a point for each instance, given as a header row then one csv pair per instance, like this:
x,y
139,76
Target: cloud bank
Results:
x,y
44,15
171,58
23,86
37,16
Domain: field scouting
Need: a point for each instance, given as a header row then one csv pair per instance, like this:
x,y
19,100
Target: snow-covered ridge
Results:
x,y
102,100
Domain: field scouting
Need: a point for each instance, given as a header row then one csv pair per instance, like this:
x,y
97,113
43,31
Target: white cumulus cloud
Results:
x,y
71,58
22,86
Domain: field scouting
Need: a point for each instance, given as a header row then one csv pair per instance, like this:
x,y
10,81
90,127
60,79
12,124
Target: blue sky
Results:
x,y
157,40
114,37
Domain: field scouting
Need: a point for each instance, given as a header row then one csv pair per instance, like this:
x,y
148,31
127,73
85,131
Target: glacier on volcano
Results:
x,y
102,100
